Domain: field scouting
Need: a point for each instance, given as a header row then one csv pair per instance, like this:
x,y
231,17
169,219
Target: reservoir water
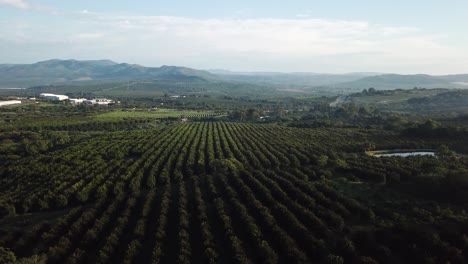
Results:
x,y
406,154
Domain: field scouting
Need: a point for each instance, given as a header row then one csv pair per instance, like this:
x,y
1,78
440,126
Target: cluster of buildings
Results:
x,y
76,101
60,97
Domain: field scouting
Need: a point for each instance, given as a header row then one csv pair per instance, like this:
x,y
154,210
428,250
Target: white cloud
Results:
x,y
20,4
88,36
281,37
46,9
15,3
298,44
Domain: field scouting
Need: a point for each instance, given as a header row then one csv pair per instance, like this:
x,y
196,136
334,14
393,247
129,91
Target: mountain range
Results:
x,y
62,71
53,72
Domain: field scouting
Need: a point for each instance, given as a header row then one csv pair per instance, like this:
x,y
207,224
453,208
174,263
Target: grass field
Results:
x,y
160,113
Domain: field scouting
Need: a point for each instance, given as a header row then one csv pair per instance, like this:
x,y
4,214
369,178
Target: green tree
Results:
x,y
7,256
61,201
430,125
6,209
444,152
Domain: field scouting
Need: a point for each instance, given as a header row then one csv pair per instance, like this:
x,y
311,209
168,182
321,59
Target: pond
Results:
x,y
406,154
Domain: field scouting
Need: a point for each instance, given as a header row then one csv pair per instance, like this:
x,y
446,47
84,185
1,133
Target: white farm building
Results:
x,y
53,97
100,101
10,102
77,100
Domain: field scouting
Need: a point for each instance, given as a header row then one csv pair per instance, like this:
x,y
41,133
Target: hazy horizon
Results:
x,y
421,37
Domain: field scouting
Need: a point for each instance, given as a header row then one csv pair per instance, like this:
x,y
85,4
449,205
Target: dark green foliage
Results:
x,y
221,192
7,256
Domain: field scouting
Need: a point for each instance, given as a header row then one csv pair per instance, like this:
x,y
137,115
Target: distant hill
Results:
x,y
397,81
295,79
62,71
456,77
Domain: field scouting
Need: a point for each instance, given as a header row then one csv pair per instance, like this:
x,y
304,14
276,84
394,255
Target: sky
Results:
x,y
334,36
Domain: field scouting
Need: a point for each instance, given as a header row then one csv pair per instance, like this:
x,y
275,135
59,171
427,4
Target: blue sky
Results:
x,y
314,36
